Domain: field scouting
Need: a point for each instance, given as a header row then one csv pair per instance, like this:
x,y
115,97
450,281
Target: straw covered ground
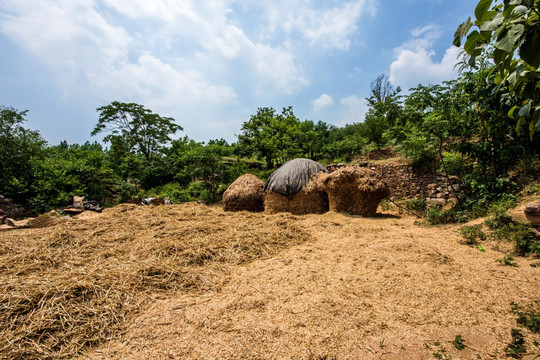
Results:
x,y
219,285
76,284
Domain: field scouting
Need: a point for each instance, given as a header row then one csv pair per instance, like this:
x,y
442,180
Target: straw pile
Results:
x,y
355,190
312,199
245,193
68,287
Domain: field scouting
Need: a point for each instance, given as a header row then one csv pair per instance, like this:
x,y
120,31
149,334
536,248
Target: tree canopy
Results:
x,y
508,29
136,126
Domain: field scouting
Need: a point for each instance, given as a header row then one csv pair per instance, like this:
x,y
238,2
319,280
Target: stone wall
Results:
x,y
406,182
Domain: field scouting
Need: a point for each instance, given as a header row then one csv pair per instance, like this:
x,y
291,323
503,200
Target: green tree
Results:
x,y
513,28
271,136
139,127
195,162
69,170
384,109
18,146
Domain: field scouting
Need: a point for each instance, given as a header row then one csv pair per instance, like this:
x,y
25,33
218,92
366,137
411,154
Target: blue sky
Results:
x,y
210,64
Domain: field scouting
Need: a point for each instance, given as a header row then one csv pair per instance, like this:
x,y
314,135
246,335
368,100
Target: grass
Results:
x,y
528,317
507,260
516,348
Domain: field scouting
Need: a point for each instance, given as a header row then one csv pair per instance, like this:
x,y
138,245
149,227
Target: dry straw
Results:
x,y
355,190
74,285
245,193
311,199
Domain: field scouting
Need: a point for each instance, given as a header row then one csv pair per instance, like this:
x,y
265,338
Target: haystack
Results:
x,y
296,187
355,190
245,193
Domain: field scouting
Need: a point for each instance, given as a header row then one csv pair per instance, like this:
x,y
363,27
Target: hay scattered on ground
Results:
x,y
355,190
245,193
363,288
311,199
74,285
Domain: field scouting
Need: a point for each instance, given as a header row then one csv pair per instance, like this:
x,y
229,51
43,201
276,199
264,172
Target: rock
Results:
x,y
532,208
436,201
532,213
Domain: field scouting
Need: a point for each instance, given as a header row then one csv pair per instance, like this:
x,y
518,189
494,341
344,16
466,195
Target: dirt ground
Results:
x,y
360,288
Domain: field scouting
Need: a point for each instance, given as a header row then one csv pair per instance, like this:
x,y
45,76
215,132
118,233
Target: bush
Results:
x,y
436,216
504,228
127,190
472,234
416,204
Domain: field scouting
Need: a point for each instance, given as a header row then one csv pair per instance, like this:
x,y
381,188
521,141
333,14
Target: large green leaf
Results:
x,y
472,41
507,39
530,50
493,24
525,110
481,9
461,31
520,10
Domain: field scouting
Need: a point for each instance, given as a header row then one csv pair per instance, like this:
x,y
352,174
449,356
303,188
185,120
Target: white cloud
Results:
x,y
332,28
414,64
355,110
323,101
276,68
328,29
160,84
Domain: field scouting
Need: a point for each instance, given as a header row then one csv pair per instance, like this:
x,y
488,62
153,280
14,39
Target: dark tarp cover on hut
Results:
x,y
292,176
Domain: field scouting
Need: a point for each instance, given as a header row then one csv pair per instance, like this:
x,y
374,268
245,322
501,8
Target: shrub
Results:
x,y
416,204
472,234
529,317
436,216
504,228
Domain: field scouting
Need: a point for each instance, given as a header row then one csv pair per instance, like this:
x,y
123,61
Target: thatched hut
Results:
x,y
296,187
245,193
355,190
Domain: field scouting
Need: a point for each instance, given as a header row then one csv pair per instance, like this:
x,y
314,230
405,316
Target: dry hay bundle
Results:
x,y
355,190
74,285
245,193
43,221
312,199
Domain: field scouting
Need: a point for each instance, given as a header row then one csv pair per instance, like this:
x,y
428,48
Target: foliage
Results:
x,y
136,127
504,228
512,27
70,170
459,342
195,161
516,348
416,204
528,317
384,109
472,234
18,147
270,136
436,216
507,260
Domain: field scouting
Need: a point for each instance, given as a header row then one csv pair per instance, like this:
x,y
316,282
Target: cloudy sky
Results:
x,y
211,63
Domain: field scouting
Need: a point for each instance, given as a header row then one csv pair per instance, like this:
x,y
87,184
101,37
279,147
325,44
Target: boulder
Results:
x,y
532,212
